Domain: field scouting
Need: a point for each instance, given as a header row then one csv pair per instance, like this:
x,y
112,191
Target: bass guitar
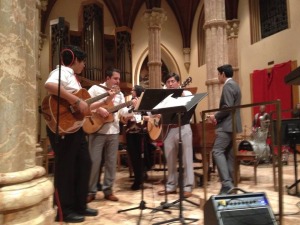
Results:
x,y
157,130
70,118
94,122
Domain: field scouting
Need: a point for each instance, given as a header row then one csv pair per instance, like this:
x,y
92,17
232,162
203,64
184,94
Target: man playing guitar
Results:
x,y
72,159
171,148
106,139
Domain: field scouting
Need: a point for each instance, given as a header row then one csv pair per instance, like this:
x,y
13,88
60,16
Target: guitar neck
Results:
x,y
116,108
94,99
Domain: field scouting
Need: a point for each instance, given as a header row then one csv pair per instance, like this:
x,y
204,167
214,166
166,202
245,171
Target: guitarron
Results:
x,y
69,117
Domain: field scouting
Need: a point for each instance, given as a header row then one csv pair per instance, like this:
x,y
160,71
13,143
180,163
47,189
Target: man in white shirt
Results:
x,y
171,149
106,139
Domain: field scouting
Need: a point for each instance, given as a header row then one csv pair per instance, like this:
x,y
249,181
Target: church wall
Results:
x,y
280,47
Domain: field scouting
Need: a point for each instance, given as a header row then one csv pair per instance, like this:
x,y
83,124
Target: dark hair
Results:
x,y
138,90
110,70
227,69
169,75
70,52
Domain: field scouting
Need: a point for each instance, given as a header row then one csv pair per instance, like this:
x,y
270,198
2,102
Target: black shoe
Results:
x,y
136,186
71,218
89,212
225,191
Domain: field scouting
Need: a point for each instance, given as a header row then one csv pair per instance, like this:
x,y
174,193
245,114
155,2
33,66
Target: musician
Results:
x,y
107,138
138,138
259,117
72,159
222,150
171,149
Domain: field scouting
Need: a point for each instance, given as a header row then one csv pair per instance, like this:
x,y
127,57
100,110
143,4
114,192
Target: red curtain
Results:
x,y
259,87
278,89
269,87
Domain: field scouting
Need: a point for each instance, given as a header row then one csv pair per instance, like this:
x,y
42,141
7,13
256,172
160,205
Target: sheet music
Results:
x,y
170,101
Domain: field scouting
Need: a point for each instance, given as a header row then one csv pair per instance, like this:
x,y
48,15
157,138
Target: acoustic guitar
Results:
x,y
70,117
94,122
154,125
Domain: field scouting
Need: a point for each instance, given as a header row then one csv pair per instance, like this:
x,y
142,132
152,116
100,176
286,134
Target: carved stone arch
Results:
x,y
169,65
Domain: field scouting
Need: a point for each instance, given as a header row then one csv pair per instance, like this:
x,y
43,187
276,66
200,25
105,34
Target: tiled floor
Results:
x,y
133,199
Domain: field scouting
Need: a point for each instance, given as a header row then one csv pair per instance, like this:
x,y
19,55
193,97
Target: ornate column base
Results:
x,y
26,201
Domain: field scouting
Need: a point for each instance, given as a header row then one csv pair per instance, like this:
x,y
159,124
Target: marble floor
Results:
x,y
174,214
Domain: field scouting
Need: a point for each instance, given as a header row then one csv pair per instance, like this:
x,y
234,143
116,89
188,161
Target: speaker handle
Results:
x,y
236,189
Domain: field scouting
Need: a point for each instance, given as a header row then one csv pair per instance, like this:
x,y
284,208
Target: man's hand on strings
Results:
x,y
102,112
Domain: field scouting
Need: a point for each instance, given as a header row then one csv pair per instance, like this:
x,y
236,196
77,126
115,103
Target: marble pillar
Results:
x,y
216,47
232,37
25,192
154,18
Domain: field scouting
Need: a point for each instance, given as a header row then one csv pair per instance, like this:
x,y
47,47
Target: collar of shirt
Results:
x,y
227,80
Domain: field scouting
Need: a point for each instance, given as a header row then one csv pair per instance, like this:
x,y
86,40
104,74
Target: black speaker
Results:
x,y
238,209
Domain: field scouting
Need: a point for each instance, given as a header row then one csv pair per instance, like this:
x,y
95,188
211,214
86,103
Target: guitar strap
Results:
x,y
92,82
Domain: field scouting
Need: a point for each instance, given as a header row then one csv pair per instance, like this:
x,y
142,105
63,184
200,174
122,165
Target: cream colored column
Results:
x,y
232,36
216,47
25,193
154,19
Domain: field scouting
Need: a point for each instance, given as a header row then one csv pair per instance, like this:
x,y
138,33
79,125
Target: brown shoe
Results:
x,y
90,198
163,192
112,197
187,194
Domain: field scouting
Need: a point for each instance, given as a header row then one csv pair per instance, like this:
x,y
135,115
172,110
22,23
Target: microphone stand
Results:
x,y
60,39
180,183
142,204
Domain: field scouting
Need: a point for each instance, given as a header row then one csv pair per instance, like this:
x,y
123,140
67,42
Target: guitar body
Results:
x,y
94,122
69,121
156,130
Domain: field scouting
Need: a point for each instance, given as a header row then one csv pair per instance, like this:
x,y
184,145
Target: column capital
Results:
x,y
233,27
155,17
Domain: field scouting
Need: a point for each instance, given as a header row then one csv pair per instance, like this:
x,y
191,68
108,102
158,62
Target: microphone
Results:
x,y
61,25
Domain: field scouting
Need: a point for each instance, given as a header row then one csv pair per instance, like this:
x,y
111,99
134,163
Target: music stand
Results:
x,y
145,104
293,133
176,115
290,133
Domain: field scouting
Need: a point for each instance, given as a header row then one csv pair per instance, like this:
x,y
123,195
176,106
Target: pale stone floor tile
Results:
x,y
108,211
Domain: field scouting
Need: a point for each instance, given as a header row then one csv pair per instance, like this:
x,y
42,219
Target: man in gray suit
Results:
x,y
222,151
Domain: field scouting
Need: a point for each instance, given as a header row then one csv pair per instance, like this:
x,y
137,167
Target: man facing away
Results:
x,y
222,150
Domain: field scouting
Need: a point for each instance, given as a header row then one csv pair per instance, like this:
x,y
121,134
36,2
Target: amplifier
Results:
x,y
238,209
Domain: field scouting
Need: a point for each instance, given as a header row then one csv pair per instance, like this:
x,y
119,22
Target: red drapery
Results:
x,y
269,87
259,87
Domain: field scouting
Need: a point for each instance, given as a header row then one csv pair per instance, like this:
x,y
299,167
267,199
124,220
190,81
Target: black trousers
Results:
x,y
138,144
72,171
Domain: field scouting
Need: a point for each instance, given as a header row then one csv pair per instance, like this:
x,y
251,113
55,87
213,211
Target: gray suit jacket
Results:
x,y
231,96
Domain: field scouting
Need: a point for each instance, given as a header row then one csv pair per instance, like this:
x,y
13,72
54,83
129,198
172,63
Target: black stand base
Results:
x,y
142,206
296,193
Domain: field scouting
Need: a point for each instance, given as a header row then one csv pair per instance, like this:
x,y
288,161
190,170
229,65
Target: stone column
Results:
x,y
216,47
187,59
25,193
232,36
154,19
